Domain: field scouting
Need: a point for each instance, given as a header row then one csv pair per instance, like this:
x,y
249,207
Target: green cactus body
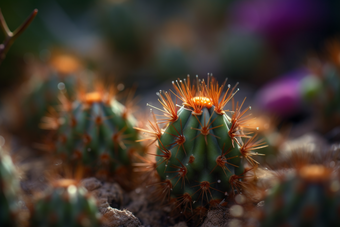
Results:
x,y
96,132
65,205
310,198
9,188
201,157
197,157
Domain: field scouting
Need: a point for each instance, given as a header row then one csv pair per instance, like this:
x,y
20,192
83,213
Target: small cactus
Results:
x,y
65,204
62,73
44,95
201,155
95,131
9,188
311,197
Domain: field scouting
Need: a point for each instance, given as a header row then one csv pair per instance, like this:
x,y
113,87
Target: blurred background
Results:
x,y
269,46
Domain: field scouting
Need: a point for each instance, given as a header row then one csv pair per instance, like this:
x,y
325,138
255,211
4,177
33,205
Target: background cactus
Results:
x,y
324,91
311,197
44,92
9,190
65,204
95,131
322,88
201,156
63,73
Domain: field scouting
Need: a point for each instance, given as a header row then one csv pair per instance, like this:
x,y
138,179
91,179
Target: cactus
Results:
x,y
322,87
44,94
9,188
201,156
323,91
309,198
96,132
41,92
65,204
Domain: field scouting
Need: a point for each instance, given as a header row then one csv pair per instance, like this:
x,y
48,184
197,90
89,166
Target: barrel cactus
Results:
x,y
95,132
9,189
65,204
202,153
311,197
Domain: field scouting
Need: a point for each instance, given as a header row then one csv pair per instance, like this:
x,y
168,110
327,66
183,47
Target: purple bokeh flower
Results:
x,y
282,96
279,19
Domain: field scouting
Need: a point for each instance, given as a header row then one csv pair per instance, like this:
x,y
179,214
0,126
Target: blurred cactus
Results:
x,y
322,88
63,73
65,204
44,89
201,156
9,189
311,197
96,132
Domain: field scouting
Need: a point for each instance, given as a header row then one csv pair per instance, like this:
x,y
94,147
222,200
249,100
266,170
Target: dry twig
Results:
x,y
11,36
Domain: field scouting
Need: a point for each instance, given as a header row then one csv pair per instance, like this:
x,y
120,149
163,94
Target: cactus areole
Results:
x,y
200,154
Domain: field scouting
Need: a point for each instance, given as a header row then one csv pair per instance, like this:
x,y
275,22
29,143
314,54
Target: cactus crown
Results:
x,y
201,154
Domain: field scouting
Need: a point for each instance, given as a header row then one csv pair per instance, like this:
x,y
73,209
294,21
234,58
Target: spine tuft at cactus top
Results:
x,y
203,152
